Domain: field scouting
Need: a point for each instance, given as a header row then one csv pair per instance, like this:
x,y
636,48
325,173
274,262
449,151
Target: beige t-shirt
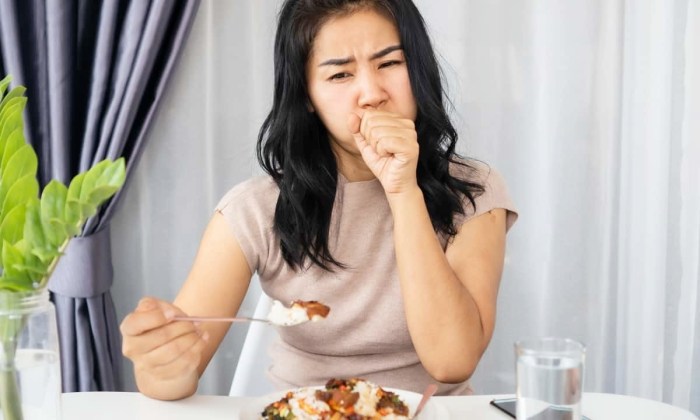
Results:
x,y
365,335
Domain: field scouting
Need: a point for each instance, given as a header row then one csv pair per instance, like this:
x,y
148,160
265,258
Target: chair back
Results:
x,y
250,378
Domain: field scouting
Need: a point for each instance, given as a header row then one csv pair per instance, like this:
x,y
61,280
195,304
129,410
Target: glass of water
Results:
x,y
549,378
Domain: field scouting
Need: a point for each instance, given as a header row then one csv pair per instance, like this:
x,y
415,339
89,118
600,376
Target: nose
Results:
x,y
371,91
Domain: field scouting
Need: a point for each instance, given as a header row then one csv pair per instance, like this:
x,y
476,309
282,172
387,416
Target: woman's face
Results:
x,y
357,63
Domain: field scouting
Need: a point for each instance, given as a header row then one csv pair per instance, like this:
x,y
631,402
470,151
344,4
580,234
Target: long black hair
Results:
x,y
294,147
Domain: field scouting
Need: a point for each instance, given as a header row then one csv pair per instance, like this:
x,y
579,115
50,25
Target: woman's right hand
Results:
x,y
166,353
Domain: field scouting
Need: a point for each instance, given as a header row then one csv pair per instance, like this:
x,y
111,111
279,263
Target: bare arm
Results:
x,y
170,356
217,283
449,297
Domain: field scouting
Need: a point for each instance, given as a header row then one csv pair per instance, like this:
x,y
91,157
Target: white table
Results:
x,y
134,406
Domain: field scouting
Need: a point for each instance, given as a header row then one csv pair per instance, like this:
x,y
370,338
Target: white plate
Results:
x,y
432,410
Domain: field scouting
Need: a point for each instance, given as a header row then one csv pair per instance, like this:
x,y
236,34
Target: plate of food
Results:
x,y
342,399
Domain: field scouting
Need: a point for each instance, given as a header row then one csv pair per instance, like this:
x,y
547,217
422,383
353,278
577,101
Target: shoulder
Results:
x,y
249,211
495,190
258,192
472,170
252,201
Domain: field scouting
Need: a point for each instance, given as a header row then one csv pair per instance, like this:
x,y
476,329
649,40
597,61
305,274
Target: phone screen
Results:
x,y
507,405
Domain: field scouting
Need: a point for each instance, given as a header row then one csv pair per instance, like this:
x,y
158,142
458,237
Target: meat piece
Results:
x,y
313,308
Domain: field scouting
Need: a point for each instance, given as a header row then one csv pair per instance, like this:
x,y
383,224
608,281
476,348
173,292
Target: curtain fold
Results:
x,y
95,73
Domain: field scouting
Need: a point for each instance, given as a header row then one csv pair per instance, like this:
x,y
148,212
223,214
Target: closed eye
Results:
x,y
390,63
339,76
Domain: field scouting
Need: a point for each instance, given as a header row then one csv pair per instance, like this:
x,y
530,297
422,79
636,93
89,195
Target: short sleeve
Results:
x,y
495,196
248,209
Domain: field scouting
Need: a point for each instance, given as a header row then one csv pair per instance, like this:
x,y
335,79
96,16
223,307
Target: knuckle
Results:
x,y
124,326
178,346
193,357
371,132
163,335
187,341
127,350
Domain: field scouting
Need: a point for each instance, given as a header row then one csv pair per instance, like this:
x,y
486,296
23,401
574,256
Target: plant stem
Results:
x,y
11,325
10,400
10,328
54,262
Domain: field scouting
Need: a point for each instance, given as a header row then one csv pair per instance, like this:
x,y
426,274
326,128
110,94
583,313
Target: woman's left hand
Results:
x,y
389,146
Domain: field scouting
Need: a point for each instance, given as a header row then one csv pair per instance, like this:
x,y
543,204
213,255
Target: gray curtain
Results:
x,y
95,72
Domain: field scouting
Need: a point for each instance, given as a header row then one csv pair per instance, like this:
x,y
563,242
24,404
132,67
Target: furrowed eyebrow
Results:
x,y
346,60
385,51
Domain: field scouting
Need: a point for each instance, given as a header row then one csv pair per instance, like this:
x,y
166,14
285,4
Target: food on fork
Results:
x,y
342,399
299,312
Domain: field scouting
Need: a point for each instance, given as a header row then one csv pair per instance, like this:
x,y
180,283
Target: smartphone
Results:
x,y
507,405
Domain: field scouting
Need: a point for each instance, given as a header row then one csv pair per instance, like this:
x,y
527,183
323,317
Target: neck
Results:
x,y
351,165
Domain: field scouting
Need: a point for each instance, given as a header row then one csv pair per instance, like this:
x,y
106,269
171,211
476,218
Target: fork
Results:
x,y
429,391
220,319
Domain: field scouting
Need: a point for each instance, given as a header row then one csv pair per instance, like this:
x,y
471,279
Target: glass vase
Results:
x,y
30,373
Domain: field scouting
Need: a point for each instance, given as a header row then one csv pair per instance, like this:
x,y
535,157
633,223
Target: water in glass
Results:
x,y
549,381
30,372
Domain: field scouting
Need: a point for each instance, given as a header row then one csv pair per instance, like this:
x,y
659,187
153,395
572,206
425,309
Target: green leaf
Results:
x,y
76,184
14,143
100,194
11,116
53,204
15,139
60,224
10,106
17,92
73,208
114,174
11,258
22,163
78,212
90,180
11,124
72,217
108,183
4,83
21,245
33,228
36,271
87,210
12,226
37,268
17,134
46,255
13,284
20,193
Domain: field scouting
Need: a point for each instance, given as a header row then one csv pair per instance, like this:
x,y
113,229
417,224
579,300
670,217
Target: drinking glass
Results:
x,y
30,372
549,378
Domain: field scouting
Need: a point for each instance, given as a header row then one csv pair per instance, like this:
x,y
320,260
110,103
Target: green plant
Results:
x,y
35,229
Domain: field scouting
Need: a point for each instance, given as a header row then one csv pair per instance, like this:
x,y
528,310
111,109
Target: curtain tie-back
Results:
x,y
85,270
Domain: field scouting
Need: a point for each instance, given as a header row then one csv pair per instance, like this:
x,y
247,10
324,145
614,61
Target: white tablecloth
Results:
x,y
134,406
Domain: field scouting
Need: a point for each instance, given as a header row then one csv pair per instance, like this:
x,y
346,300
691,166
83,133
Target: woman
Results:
x,y
366,208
